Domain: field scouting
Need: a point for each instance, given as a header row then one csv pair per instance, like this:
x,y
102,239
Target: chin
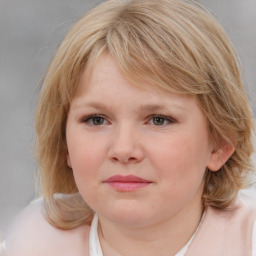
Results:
x,y
130,217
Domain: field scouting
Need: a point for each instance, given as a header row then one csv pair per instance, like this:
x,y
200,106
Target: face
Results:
x,y
138,155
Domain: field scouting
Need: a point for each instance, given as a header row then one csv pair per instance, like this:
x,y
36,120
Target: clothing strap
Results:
x,y
94,242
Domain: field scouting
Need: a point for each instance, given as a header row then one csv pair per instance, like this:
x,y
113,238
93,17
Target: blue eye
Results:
x,y
160,120
94,120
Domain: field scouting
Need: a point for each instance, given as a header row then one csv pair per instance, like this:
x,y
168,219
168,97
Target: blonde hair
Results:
x,y
175,44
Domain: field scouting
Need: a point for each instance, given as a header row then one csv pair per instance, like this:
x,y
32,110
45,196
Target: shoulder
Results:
x,y
31,234
245,208
241,214
250,207
231,229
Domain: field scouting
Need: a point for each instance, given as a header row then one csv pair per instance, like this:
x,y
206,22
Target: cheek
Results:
x,y
84,154
86,162
85,159
181,157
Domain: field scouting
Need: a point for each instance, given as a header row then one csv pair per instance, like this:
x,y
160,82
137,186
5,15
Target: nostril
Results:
x,y
124,159
115,159
131,159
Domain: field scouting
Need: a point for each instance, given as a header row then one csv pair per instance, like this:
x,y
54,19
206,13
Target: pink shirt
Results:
x,y
222,232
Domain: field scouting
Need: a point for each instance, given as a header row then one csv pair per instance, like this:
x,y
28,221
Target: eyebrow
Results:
x,y
162,107
96,105
152,107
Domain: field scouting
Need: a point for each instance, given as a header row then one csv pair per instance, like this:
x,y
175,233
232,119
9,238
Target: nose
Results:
x,y
126,146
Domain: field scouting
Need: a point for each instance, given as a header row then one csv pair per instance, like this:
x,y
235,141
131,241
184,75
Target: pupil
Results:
x,y
158,120
97,120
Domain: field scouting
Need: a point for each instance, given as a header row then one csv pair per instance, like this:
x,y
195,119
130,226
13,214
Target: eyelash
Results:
x,y
167,120
89,119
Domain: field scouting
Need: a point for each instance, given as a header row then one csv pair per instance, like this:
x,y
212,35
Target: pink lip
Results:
x,y
127,183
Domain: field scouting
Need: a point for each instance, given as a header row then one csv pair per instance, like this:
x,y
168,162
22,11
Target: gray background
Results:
x,y
30,31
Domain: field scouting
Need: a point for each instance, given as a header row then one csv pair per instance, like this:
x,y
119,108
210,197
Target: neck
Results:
x,y
162,238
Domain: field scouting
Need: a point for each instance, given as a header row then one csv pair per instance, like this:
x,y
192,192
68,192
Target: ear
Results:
x,y
220,155
69,161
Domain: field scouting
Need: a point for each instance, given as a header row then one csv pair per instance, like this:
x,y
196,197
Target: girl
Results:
x,y
144,137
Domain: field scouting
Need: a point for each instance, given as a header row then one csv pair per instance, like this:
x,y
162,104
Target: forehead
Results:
x,y
106,83
105,67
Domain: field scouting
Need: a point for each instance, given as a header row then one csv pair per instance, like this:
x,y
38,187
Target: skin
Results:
x,y
115,128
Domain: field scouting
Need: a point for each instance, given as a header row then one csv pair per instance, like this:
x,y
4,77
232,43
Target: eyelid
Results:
x,y
87,117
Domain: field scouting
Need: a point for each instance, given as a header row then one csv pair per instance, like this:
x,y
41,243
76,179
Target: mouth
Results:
x,y
127,183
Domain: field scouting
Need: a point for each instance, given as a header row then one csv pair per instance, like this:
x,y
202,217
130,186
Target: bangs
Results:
x,y
146,51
